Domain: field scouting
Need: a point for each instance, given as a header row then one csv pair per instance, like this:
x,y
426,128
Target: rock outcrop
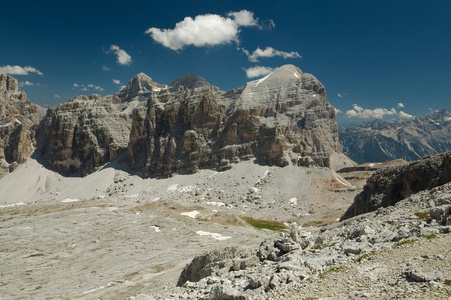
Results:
x,y
18,119
388,186
88,131
371,254
411,139
280,119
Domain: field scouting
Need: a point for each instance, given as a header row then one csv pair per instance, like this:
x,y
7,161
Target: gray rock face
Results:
x,y
411,139
82,134
190,81
18,119
88,131
388,186
139,88
280,119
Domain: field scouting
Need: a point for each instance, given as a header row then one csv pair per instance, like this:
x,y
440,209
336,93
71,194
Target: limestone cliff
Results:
x,y
388,186
18,119
88,131
280,119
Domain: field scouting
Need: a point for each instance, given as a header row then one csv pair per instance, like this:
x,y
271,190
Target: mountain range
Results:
x,y
408,139
283,118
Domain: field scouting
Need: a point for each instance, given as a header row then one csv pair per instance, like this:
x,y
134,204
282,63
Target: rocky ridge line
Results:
x,y
388,186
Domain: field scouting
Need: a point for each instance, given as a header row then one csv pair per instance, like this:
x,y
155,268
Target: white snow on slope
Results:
x,y
216,236
191,214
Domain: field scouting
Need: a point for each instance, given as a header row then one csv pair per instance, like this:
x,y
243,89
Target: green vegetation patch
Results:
x,y
430,236
333,269
405,242
322,246
423,215
265,224
364,256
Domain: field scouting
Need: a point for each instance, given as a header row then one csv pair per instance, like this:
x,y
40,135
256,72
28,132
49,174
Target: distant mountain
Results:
x,y
411,139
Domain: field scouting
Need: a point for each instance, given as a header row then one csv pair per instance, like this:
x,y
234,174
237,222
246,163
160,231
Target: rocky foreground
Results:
x,y
398,252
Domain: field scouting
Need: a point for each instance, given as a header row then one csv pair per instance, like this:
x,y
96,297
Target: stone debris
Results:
x,y
367,247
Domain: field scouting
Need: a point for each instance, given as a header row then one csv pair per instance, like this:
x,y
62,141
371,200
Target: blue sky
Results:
x,y
376,58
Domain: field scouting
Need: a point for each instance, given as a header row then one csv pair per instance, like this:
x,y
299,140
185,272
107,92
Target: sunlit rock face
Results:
x,y
18,119
280,119
88,131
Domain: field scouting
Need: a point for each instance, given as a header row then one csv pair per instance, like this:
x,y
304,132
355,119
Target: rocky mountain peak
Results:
x,y
139,88
8,83
190,81
18,118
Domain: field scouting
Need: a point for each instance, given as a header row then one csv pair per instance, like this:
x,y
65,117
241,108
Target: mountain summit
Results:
x,y
139,88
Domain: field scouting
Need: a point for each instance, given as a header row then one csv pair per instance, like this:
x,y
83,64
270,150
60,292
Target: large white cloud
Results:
x,y
258,71
18,70
365,113
203,30
270,52
122,57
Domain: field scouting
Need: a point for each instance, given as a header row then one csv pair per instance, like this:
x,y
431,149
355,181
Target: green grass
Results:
x,y
333,269
405,242
322,246
424,215
364,256
430,236
265,224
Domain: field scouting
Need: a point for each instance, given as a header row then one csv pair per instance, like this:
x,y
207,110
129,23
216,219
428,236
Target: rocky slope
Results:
x,y
283,118
380,140
388,186
18,119
400,251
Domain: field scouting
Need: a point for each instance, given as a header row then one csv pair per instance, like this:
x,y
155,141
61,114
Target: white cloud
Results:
x,y
404,115
203,30
270,52
26,83
365,113
400,105
244,18
257,71
57,96
338,111
116,81
105,68
122,57
340,95
88,87
17,70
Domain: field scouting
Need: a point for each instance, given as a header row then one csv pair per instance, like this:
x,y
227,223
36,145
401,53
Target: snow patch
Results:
x,y
132,196
216,203
262,79
172,188
191,214
293,201
296,74
157,229
186,189
12,205
68,200
216,236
